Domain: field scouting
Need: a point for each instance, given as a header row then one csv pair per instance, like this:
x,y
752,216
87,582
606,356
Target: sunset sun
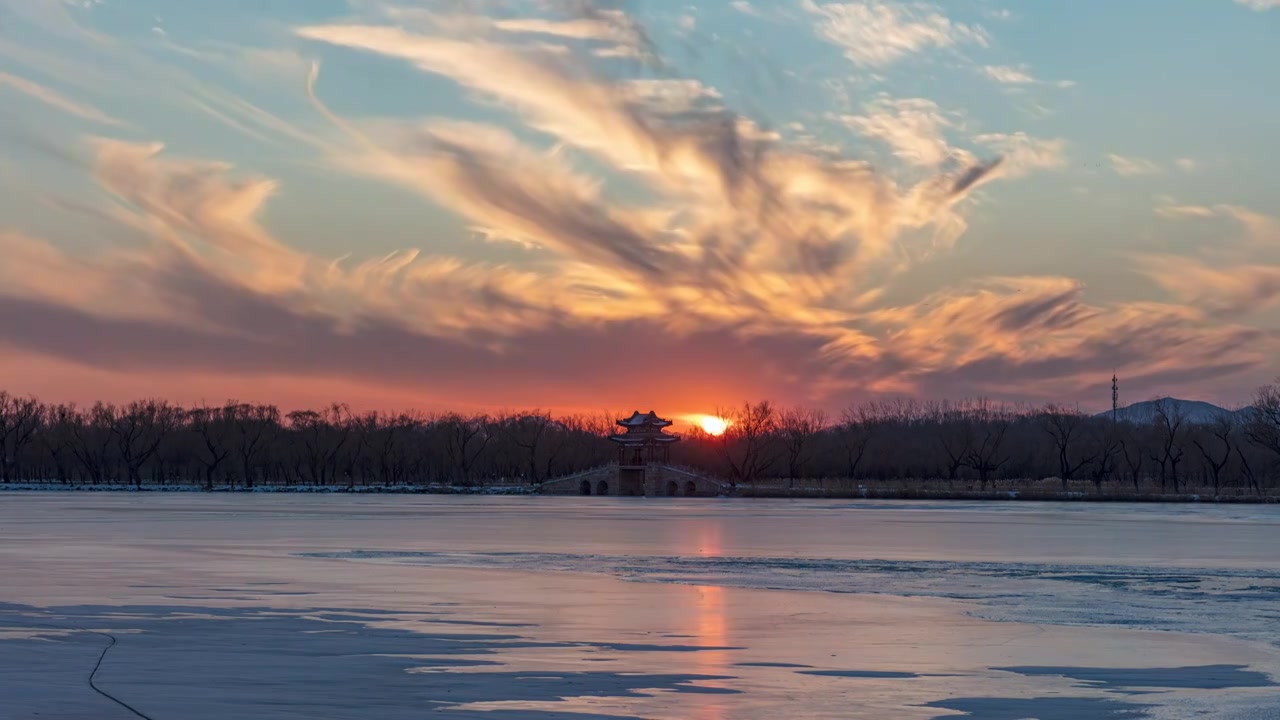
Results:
x,y
712,425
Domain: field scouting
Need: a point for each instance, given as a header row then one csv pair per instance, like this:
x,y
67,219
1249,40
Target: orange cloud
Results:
x,y
1234,277
675,253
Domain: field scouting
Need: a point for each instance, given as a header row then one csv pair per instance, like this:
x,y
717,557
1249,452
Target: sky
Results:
x,y
583,204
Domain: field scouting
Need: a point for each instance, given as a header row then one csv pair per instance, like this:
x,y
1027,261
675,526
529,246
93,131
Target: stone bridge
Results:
x,y
649,480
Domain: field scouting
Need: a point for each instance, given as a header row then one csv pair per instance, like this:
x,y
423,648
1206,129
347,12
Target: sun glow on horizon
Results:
x,y
711,424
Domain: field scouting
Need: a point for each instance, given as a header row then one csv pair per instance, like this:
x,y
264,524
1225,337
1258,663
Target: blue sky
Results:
x,y
498,203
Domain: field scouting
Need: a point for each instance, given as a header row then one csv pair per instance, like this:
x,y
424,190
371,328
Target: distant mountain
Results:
x,y
1196,412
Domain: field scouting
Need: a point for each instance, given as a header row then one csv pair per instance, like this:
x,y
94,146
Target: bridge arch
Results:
x,y
654,479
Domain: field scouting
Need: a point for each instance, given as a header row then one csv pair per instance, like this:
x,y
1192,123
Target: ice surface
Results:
x,y
345,607
866,674
1043,708
1223,601
1207,677
267,663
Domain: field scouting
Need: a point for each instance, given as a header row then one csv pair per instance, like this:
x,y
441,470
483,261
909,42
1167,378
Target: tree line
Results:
x,y
244,445
979,442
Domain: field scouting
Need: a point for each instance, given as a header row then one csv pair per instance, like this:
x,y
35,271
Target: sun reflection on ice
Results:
x,y
712,631
711,625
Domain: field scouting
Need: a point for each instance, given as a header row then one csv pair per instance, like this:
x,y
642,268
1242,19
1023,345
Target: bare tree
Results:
x,y
586,438
93,436
215,428
322,436
953,426
1263,425
1170,419
798,427
1134,449
1221,430
1066,428
600,425
748,443
1108,445
558,444
139,428
254,426
986,454
1134,456
362,432
529,432
19,421
1247,469
858,426
465,440
388,436
56,436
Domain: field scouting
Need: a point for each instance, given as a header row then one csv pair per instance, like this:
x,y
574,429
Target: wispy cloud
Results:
x,y
1185,211
1232,277
1019,75
626,38
1225,290
57,100
912,127
876,33
1262,229
1259,5
1041,334
1023,153
144,75
793,209
1130,166
1008,75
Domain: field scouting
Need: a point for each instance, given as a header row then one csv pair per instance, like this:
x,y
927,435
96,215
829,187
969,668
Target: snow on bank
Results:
x,y
335,489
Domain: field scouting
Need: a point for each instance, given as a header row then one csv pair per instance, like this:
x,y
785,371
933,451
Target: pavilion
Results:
x,y
644,441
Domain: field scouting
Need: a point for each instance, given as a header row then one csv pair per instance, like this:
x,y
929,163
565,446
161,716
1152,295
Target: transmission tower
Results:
x,y
1115,398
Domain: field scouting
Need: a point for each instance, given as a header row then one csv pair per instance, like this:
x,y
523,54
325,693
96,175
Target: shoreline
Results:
x,y
1004,496
747,492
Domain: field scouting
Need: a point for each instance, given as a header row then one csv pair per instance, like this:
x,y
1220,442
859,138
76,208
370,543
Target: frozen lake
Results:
x,y
526,608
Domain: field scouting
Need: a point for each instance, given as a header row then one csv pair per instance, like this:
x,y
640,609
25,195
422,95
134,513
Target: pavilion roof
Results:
x,y
638,439
639,419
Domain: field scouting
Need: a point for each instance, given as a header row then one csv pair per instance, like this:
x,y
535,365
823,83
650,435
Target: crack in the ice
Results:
x,y
93,685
